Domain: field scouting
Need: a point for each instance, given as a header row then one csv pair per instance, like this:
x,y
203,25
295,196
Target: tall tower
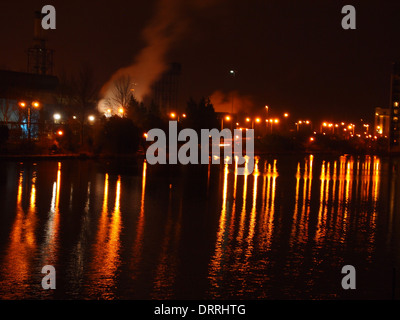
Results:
x,y
394,131
40,59
166,89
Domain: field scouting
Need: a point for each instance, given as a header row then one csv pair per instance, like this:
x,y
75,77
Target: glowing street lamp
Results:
x,y
286,115
227,118
56,116
34,104
91,118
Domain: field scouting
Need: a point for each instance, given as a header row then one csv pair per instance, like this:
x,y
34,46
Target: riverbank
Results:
x,y
88,156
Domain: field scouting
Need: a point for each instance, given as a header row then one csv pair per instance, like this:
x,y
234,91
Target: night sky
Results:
x,y
291,55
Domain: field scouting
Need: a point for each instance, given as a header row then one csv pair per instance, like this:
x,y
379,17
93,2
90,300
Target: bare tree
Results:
x,y
122,93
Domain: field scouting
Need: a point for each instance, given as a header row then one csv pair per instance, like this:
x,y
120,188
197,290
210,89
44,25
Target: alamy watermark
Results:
x,y
197,150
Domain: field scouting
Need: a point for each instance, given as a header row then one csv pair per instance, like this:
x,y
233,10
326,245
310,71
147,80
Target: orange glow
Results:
x,y
60,133
248,119
22,104
145,135
35,104
311,139
172,115
121,110
396,104
276,120
258,120
286,115
227,118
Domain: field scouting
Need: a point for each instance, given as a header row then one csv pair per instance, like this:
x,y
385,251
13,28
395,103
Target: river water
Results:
x,y
130,230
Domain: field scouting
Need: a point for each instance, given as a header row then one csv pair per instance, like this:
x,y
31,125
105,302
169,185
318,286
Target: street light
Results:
x,y
227,118
91,118
56,116
34,104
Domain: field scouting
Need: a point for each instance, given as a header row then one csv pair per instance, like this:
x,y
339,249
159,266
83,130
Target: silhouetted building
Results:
x,y
382,121
166,89
394,132
20,87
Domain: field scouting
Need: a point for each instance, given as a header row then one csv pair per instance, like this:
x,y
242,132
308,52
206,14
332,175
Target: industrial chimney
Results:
x,y
40,59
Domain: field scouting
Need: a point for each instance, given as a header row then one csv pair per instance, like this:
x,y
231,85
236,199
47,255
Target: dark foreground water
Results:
x,y
135,231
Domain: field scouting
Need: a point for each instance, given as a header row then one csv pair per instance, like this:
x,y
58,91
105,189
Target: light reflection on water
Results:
x,y
283,231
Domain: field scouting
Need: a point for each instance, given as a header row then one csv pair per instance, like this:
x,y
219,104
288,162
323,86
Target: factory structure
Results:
x,y
165,90
25,95
394,124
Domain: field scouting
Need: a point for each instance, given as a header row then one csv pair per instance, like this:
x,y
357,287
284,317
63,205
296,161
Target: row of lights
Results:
x,y
57,117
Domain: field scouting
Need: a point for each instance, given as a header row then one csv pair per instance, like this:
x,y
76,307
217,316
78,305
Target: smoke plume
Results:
x,y
170,21
225,102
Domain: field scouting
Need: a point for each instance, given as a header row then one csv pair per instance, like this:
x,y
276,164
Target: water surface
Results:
x,y
135,231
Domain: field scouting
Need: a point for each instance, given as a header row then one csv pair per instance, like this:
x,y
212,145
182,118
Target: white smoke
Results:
x,y
170,21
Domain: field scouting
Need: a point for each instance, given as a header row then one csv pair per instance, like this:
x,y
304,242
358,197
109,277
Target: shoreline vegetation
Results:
x,y
142,155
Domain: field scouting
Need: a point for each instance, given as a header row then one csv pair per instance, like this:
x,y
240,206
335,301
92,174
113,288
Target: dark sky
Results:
x,y
291,55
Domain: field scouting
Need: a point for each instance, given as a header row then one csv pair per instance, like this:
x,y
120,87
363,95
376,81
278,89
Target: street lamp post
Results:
x,y
29,106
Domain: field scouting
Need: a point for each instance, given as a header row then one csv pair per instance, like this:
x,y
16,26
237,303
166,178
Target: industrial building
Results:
x,y
25,96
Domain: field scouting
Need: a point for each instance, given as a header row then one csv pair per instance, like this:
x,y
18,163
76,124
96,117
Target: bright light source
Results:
x,y
60,133
22,104
121,110
324,124
145,135
74,117
91,118
35,104
311,138
307,122
258,120
396,104
57,116
227,118
276,120
286,115
184,115
172,115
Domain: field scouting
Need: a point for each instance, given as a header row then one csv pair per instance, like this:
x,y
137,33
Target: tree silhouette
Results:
x,y
200,115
